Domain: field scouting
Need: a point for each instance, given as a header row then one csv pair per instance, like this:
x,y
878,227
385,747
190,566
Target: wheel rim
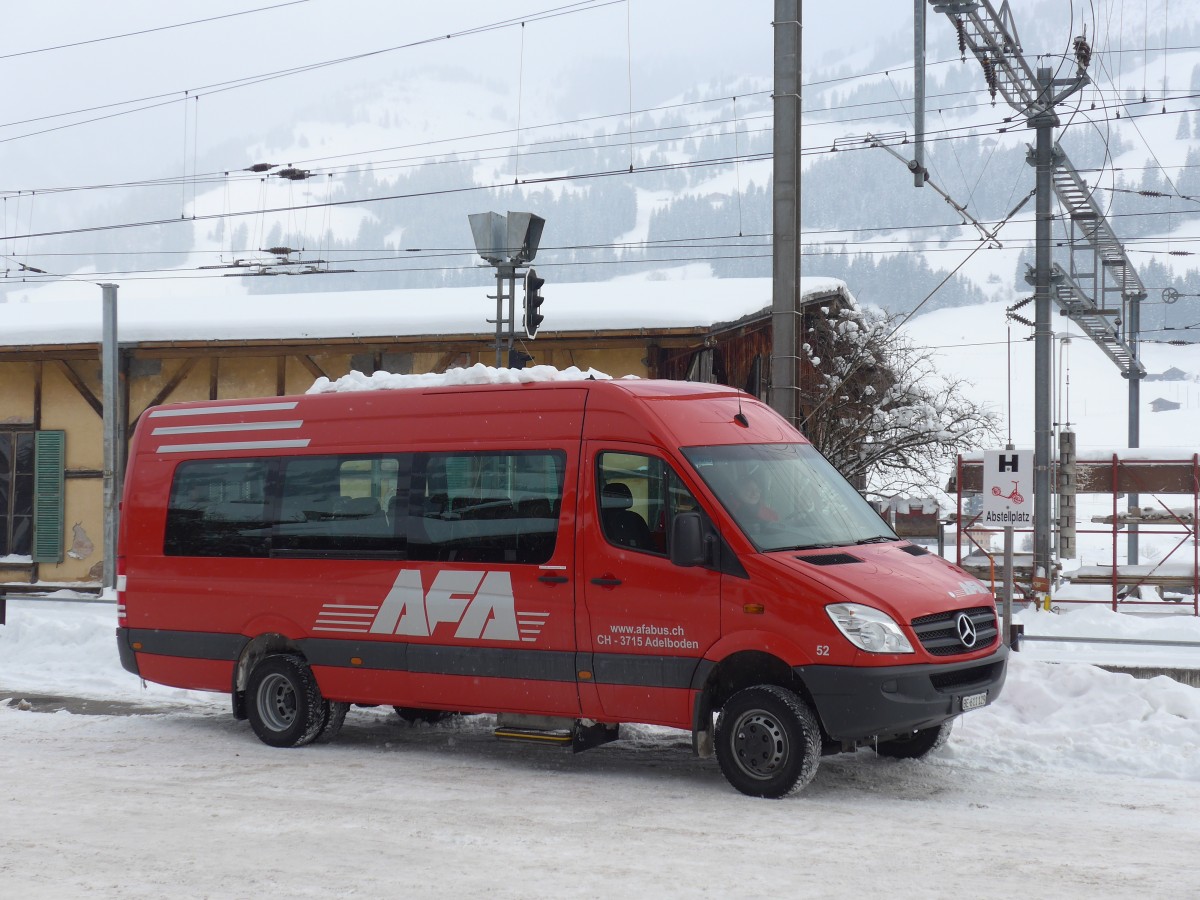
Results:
x,y
760,744
277,702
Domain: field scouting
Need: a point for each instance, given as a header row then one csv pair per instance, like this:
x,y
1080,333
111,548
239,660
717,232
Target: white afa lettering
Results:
x,y
481,604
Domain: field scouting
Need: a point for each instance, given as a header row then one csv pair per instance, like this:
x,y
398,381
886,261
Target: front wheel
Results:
x,y
283,703
916,745
768,741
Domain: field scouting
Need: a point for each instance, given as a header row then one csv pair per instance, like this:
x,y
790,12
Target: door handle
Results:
x,y
607,581
553,579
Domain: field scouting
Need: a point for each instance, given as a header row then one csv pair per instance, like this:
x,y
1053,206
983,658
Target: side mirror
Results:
x,y
688,545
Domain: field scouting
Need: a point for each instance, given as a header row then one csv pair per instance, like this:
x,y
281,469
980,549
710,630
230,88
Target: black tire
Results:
x,y
333,722
768,741
415,714
919,743
283,702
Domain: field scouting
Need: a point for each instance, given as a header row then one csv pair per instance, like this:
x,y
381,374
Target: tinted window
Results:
x,y
218,508
468,507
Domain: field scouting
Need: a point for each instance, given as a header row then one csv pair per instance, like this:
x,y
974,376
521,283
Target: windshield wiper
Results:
x,y
878,539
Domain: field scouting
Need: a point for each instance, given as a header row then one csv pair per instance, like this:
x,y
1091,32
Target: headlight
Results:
x,y
868,628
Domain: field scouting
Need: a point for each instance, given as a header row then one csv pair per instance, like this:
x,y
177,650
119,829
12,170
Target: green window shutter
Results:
x,y
49,459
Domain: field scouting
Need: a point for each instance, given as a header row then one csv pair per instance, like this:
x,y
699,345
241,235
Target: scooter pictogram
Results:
x,y
1015,496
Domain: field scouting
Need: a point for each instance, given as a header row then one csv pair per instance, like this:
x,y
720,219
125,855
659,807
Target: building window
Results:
x,y
16,495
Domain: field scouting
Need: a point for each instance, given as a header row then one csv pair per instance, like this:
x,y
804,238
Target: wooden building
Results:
x,y
225,347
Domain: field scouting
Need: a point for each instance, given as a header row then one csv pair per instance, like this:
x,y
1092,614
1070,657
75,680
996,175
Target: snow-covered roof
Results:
x,y
145,314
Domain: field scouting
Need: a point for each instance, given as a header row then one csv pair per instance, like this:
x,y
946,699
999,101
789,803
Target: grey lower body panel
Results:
x,y
857,703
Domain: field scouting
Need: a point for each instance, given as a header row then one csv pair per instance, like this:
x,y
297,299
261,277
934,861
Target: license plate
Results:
x,y
974,701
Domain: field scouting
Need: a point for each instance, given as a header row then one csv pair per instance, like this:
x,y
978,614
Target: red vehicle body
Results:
x,y
567,555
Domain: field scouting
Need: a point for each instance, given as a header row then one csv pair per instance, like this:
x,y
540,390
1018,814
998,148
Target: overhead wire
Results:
x,y
114,37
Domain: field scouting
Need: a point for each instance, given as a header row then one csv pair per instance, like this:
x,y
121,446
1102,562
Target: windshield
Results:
x,y
787,497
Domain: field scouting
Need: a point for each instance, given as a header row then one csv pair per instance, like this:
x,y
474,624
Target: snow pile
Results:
x,y
476,374
70,648
1082,718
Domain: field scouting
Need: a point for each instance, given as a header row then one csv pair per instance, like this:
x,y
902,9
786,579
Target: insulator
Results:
x,y
962,37
261,167
280,251
989,75
1083,52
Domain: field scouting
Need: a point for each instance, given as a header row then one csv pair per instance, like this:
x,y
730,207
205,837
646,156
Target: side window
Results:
x,y
450,507
336,506
485,507
218,508
639,497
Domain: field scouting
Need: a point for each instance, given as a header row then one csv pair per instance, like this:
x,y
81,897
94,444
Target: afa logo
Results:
x,y
480,605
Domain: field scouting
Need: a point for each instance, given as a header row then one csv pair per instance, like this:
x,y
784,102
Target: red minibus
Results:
x,y
566,555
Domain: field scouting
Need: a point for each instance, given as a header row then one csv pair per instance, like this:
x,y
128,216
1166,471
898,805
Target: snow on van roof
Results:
x,y
471,375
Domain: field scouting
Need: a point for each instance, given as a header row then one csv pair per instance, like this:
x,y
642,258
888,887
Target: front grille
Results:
x,y
830,559
938,633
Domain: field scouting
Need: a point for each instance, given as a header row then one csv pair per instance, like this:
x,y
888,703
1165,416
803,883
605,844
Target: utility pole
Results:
x,y
114,430
1044,122
785,249
918,167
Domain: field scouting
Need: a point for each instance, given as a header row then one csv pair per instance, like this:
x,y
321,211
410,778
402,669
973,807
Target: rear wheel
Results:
x,y
768,741
283,702
919,743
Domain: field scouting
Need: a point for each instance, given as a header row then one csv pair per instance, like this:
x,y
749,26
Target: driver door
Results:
x,y
645,623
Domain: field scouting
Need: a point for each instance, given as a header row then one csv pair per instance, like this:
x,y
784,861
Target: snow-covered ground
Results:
x,y
1076,783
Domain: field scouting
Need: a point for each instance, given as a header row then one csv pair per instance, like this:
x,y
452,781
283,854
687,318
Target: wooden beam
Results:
x,y
448,357
38,375
311,364
84,391
280,376
214,366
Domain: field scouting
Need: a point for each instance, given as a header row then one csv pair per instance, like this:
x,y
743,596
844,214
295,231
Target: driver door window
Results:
x,y
638,497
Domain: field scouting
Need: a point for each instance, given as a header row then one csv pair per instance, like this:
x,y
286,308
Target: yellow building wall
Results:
x,y
142,390
16,392
246,377
83,500
63,407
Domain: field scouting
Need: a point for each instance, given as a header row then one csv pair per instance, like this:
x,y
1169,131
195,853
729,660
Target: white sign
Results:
x,y
1007,488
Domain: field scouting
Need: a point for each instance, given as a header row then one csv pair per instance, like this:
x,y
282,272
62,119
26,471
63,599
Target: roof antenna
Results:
x,y
740,418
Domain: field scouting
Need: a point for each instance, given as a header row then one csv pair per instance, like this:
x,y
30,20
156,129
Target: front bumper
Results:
x,y
856,703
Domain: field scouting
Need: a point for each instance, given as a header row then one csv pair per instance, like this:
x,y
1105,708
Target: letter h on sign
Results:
x,y
1009,463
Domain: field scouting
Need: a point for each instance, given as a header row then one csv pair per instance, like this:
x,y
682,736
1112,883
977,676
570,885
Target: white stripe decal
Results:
x,y
231,426
221,410
232,445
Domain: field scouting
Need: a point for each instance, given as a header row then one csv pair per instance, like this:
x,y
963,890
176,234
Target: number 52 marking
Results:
x,y
822,649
